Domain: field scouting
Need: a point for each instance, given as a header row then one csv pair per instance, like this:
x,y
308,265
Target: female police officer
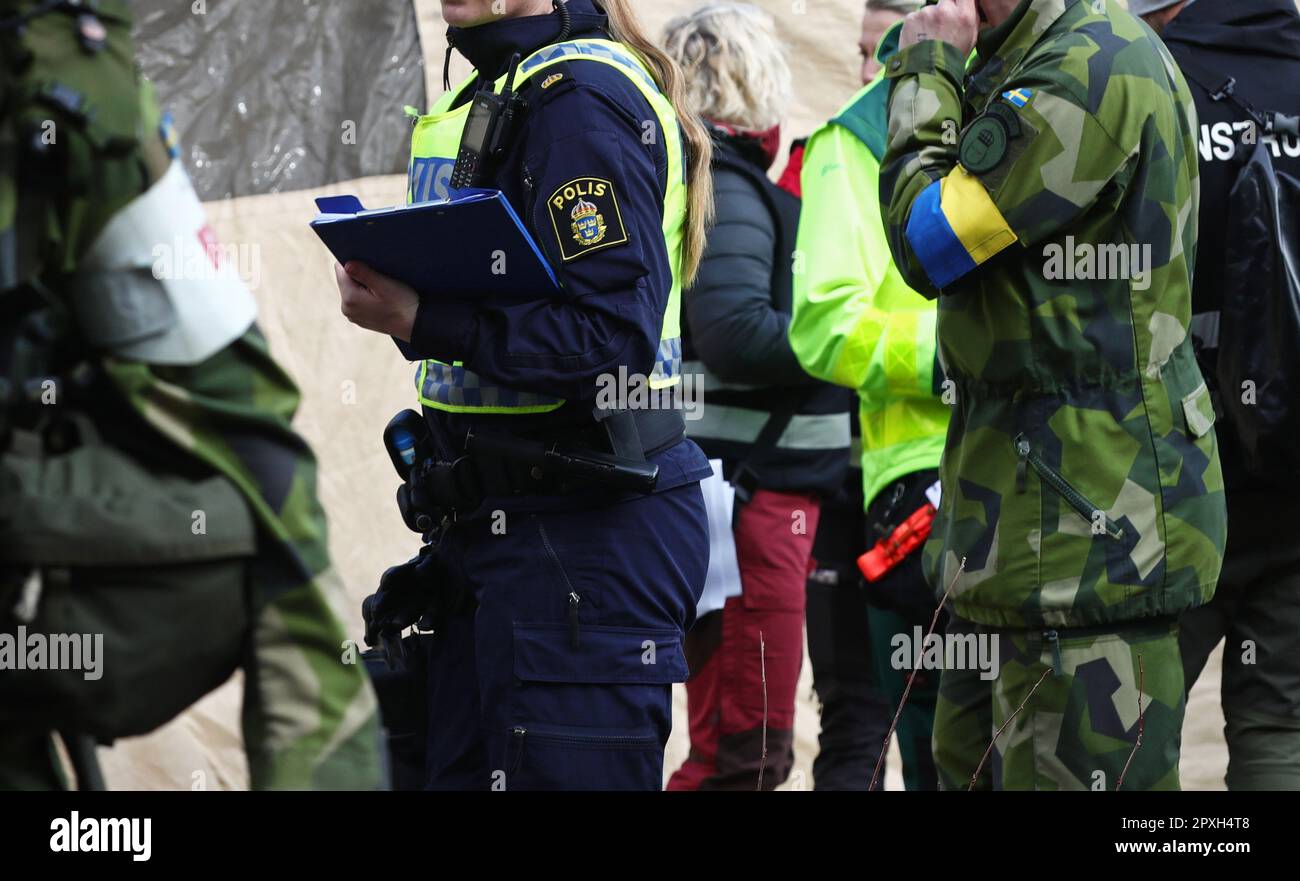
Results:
x,y
561,676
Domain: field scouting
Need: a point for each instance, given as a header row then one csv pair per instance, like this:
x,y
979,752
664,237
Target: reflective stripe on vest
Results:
x,y
806,431
434,145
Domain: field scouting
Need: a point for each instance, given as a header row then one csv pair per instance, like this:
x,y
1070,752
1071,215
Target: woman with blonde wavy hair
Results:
x,y
565,534
782,436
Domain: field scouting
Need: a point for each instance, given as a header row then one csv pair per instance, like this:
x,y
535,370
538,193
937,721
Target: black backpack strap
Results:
x,y
743,477
1224,88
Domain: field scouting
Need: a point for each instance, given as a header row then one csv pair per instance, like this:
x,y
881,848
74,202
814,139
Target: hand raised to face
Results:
x,y
955,22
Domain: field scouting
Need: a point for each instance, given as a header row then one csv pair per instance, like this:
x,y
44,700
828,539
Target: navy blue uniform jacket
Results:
x,y
594,122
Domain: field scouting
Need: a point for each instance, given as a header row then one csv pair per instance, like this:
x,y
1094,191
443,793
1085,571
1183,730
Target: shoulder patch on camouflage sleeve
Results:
x,y
984,144
988,140
585,216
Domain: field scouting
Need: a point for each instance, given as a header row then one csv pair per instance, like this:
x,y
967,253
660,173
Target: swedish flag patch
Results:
x,y
1018,97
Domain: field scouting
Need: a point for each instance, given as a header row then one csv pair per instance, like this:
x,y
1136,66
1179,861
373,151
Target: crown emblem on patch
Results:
x,y
588,224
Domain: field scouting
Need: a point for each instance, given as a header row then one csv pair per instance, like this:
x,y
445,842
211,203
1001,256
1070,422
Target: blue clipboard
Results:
x,y
471,246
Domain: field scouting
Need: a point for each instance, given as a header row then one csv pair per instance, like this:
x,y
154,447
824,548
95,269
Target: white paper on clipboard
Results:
x,y
723,580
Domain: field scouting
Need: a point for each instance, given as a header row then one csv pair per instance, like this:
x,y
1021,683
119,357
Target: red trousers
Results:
x,y
744,660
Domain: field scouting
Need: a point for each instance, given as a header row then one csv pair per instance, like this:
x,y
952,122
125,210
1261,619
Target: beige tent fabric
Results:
x,y
353,382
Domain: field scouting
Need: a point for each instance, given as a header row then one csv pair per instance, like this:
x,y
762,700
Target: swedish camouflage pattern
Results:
x,y
1091,694
1081,476
309,718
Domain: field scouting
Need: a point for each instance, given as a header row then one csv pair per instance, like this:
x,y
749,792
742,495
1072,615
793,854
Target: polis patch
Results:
x,y
585,215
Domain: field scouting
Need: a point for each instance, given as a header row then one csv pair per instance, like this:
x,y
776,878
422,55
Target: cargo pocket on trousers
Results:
x,y
595,717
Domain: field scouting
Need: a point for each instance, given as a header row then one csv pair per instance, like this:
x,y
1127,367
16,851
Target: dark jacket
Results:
x,y
610,314
735,335
1257,43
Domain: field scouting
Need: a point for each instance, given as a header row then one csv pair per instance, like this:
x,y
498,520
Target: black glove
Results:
x,y
407,593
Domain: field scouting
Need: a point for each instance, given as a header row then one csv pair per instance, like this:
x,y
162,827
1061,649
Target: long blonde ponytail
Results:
x,y
624,27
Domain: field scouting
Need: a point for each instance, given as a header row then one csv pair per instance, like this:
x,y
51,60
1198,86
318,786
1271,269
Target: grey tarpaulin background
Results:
x,y
262,92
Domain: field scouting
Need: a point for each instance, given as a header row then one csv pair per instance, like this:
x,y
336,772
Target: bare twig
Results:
x,y
1141,725
1003,727
889,735
762,667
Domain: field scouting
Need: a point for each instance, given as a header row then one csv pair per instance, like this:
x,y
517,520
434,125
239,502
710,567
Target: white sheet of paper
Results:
x,y
723,580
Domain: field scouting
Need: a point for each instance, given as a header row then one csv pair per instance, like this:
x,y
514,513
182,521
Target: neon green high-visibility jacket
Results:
x,y
856,322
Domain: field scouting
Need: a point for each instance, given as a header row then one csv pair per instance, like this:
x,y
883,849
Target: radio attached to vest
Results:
x,y
488,129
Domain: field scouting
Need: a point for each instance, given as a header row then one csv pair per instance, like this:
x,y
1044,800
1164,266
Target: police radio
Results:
x,y
487,131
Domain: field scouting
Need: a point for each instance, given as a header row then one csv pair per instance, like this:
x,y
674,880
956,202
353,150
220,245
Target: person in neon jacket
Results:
x,y
857,324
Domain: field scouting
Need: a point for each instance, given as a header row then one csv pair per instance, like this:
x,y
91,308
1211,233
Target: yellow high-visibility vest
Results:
x,y
434,145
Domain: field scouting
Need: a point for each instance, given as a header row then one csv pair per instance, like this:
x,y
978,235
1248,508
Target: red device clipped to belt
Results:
x,y
894,548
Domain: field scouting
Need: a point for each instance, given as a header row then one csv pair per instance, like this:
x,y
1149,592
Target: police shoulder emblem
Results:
x,y
984,144
586,217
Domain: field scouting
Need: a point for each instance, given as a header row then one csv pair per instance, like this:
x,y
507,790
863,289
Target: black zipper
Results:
x,y
575,622
520,733
1053,478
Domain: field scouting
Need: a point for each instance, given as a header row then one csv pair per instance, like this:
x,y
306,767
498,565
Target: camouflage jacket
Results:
x,y
1049,194
81,139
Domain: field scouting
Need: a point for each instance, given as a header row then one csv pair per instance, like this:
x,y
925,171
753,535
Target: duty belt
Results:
x,y
610,455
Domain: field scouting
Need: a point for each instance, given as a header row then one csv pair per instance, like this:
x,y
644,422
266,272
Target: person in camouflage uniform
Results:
x,y
1048,197
82,142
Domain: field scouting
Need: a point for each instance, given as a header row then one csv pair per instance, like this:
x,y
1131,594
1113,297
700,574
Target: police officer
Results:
x,y
1048,198
562,600
152,491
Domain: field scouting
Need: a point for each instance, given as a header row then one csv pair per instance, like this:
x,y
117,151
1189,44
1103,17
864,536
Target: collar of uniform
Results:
x,y
887,48
489,46
1000,49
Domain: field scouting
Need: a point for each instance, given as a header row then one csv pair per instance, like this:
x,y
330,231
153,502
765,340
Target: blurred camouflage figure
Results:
x,y
152,491
1048,196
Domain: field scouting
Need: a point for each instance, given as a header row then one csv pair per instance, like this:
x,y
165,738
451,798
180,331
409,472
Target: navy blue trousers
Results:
x,y
561,676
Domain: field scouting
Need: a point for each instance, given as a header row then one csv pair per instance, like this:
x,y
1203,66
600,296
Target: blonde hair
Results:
x,y
735,63
626,29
